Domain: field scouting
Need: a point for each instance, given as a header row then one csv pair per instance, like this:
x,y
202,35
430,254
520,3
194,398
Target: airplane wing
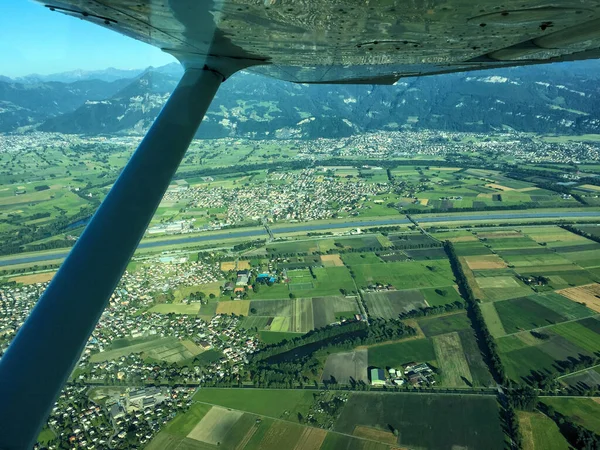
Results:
x,y
335,41
346,41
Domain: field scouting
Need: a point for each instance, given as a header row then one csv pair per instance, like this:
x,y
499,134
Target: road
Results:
x,y
307,227
421,228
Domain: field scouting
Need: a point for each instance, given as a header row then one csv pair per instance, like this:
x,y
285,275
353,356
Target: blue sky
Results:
x,y
36,40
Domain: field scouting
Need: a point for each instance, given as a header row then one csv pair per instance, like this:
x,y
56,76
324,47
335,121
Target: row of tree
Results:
x,y
433,310
577,435
318,334
485,339
580,232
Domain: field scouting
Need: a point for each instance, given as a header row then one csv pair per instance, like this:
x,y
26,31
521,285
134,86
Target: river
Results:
x,y
307,227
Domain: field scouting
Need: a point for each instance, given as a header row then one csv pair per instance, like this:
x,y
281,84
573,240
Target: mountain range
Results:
x,y
556,98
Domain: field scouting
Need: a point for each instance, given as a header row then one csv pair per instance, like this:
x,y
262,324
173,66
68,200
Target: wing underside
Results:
x,y
353,41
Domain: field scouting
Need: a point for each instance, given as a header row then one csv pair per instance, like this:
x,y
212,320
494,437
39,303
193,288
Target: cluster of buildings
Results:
x,y
174,227
163,274
115,420
438,143
222,334
15,304
378,287
299,195
414,373
77,419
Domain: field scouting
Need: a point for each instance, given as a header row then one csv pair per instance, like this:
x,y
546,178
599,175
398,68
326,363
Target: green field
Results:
x,y
523,353
543,258
540,432
397,354
405,275
584,411
230,429
451,359
432,326
458,421
335,441
389,304
273,403
567,308
525,314
45,436
298,315
182,424
329,281
176,308
580,335
168,349
325,309
442,295
351,259
479,370
274,337
492,319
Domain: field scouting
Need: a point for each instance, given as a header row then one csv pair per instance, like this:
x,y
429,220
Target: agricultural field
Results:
x,y
441,296
432,326
405,275
326,281
325,309
480,262
274,337
492,319
397,354
525,314
451,334
273,403
523,353
346,367
426,253
410,240
363,242
230,429
332,260
237,307
583,411
588,295
450,346
168,349
298,315
540,432
176,308
351,259
583,380
452,362
594,230
585,333
501,287
215,425
527,252
535,257
41,277
389,304
183,424
458,421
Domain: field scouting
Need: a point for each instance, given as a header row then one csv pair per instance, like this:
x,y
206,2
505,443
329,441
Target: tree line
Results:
x,y
585,234
433,310
485,339
270,368
577,435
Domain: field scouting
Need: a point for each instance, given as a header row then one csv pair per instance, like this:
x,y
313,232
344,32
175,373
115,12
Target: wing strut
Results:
x,y
43,354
